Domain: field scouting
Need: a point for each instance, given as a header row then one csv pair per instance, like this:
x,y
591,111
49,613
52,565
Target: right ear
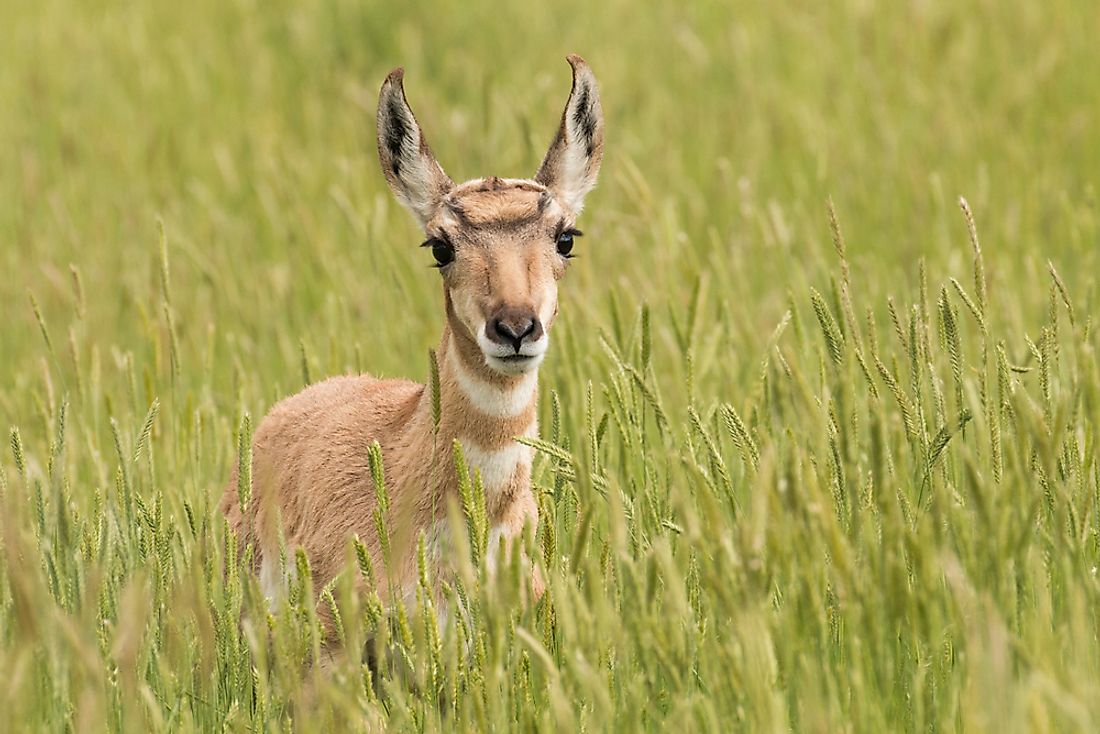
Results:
x,y
570,167
412,171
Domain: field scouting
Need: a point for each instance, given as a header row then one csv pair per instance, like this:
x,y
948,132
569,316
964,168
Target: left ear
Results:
x,y
570,167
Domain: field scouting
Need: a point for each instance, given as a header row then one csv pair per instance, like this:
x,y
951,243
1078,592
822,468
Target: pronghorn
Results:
x,y
500,245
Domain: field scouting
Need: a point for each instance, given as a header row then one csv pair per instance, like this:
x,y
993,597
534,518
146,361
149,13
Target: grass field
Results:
x,y
809,466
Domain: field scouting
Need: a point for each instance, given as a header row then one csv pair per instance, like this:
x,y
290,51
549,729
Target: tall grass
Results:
x,y
819,439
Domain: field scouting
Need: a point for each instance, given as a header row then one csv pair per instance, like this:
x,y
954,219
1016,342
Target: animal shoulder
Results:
x,y
338,404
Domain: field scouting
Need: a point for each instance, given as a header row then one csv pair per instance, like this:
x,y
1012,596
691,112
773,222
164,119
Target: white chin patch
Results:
x,y
507,361
516,365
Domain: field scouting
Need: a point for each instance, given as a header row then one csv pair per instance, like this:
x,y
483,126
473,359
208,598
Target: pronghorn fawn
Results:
x,y
500,245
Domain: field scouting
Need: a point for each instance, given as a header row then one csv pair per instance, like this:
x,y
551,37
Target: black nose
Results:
x,y
511,326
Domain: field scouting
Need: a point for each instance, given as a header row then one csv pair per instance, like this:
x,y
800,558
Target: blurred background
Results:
x,y
247,128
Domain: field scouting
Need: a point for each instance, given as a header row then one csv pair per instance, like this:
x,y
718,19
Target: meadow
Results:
x,y
819,422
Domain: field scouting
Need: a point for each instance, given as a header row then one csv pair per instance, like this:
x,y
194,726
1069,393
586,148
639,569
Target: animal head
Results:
x,y
501,244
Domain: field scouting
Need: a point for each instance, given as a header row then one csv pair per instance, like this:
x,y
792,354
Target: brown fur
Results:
x,y
512,206
310,466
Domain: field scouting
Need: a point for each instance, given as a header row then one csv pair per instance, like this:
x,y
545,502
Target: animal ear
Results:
x,y
412,171
570,167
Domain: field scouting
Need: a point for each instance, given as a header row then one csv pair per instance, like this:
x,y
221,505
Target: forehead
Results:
x,y
499,203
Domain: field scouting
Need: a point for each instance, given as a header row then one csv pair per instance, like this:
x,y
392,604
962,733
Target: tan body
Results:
x,y
310,467
502,245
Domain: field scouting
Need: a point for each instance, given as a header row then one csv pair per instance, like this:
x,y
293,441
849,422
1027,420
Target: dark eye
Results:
x,y
565,242
442,251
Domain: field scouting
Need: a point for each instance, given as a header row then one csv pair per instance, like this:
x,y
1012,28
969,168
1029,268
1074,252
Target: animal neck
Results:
x,y
485,412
